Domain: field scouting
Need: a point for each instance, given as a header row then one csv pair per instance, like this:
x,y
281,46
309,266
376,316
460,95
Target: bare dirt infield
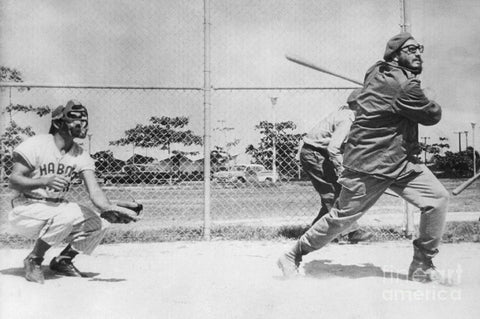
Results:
x,y
239,279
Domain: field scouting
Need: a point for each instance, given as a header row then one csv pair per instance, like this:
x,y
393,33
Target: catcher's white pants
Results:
x,y
55,222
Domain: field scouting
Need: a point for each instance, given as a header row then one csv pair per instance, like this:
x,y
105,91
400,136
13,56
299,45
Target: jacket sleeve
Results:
x,y
412,103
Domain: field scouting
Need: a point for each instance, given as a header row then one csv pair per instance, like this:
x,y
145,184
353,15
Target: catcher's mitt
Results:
x,y
122,212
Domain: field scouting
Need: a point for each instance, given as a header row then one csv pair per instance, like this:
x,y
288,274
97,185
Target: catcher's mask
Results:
x,y
74,115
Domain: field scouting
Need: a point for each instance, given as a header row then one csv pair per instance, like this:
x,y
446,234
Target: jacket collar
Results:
x,y
408,72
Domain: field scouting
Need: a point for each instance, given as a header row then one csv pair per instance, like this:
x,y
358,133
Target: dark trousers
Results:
x,y
361,191
321,172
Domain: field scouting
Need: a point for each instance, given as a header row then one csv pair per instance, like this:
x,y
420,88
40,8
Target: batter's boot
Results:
x,y
290,261
33,269
422,269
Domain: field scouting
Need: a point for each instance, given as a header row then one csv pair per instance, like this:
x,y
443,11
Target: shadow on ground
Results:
x,y
50,275
325,268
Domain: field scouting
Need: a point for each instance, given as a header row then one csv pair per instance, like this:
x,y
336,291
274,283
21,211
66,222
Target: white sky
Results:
x,y
160,43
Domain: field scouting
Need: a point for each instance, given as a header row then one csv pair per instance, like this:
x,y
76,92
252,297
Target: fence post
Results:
x,y
207,120
405,26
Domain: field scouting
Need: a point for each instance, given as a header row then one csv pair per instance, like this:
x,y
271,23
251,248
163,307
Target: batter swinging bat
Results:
x,y
312,65
465,184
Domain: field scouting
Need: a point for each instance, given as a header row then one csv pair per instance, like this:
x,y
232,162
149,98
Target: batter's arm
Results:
x,y
412,103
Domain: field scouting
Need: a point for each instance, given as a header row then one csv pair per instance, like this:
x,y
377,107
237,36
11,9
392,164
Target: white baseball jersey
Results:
x,y
44,157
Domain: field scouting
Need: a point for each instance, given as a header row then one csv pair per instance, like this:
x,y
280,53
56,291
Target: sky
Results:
x,y
160,43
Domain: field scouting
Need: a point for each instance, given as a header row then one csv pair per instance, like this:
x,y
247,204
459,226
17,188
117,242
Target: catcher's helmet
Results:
x,y
74,115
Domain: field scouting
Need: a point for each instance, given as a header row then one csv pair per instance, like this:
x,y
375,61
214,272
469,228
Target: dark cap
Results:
x,y
395,43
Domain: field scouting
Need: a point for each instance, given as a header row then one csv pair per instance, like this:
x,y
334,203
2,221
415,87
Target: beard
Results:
x,y
409,64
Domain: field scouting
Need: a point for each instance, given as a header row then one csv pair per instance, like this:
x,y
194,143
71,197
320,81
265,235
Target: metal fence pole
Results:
x,y
474,149
405,26
207,120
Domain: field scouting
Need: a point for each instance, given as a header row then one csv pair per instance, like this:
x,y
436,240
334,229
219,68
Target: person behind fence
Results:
x,y
42,173
321,159
382,152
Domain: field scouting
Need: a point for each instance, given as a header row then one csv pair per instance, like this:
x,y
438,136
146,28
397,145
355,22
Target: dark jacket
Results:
x,y
383,139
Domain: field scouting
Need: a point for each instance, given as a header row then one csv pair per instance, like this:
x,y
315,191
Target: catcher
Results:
x,y
42,172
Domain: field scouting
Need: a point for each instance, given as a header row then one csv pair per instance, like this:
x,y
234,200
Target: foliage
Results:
x,y
14,135
160,132
286,146
10,75
39,110
219,157
438,148
458,164
105,162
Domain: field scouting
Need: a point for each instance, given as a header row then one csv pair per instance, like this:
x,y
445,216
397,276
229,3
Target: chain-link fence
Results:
x,y
147,133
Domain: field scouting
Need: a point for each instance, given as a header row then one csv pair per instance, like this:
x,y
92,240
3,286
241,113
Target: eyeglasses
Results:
x,y
412,49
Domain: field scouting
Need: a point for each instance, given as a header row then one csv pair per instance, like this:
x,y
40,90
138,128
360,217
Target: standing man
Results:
x,y
380,153
43,169
321,159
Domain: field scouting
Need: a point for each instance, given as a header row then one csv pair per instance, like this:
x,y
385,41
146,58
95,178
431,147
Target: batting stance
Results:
x,y
42,172
321,159
380,153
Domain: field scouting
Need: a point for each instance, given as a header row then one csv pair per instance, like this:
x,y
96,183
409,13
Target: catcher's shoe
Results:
x,y
358,236
423,271
33,269
62,265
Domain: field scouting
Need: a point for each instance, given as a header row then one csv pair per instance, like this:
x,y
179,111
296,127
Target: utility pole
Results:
x,y
274,140
459,141
425,138
474,154
466,139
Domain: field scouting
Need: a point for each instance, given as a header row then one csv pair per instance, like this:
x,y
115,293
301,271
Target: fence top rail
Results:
x,y
284,88
28,85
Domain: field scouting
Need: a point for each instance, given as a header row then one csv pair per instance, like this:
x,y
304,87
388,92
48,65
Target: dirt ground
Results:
x,y
239,279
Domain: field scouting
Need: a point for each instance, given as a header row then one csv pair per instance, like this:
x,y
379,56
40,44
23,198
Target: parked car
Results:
x,y
245,173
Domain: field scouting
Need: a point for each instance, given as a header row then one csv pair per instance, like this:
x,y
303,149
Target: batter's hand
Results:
x,y
57,182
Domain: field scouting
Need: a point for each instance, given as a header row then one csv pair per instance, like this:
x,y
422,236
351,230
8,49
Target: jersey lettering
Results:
x,y
60,170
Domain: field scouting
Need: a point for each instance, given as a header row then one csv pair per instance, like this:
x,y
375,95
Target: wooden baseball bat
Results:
x,y
316,67
465,184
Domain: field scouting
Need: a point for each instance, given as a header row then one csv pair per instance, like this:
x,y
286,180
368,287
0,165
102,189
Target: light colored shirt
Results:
x,y
331,133
44,158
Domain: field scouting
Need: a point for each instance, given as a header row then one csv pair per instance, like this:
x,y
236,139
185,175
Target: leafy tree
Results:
x,y
14,133
220,155
459,164
106,162
286,147
160,132
439,148
10,75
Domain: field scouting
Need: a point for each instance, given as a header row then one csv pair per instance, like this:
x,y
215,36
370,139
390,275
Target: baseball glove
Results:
x,y
122,212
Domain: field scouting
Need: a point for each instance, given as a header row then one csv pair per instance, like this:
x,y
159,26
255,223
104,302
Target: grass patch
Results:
x,y
455,232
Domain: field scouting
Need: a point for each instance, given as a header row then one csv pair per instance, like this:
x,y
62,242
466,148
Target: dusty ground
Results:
x,y
220,279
